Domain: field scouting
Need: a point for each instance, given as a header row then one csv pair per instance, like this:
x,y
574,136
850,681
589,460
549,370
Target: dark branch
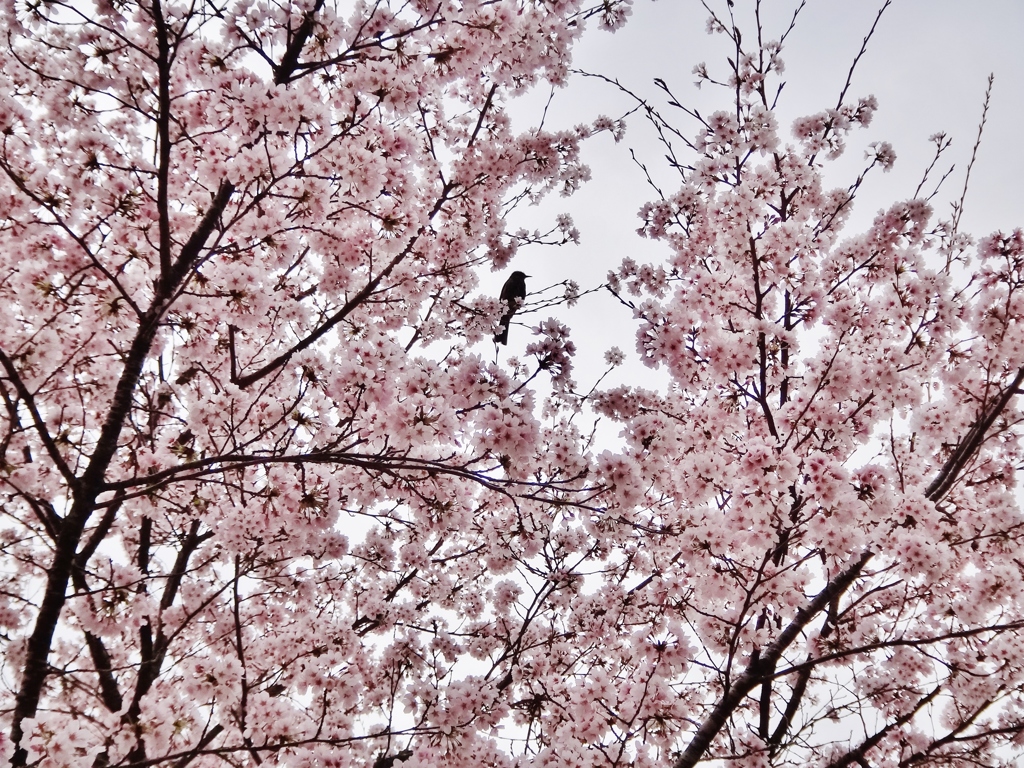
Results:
x,y
970,445
765,663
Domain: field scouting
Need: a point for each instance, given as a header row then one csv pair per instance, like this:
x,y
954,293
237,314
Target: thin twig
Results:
x,y
958,208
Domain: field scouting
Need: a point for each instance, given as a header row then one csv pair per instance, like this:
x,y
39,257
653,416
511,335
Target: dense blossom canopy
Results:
x,y
267,502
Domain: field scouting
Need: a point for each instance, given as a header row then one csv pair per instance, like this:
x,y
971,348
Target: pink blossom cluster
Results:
x,y
251,512
826,494
266,503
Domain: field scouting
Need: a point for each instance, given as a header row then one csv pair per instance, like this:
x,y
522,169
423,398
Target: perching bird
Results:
x,y
513,295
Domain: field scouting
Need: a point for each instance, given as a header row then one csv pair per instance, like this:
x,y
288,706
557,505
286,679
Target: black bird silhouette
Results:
x,y
513,295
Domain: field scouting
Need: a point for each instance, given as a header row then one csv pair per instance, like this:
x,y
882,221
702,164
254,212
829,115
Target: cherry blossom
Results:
x,y
268,501
249,512
829,497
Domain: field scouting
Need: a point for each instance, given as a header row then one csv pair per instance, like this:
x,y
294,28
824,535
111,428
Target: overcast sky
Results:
x,y
927,65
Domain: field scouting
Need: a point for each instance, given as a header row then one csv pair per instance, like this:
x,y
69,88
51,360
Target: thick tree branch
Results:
x,y
969,446
320,331
285,70
153,652
795,699
204,742
385,464
290,68
109,691
163,139
765,663
152,662
857,755
90,484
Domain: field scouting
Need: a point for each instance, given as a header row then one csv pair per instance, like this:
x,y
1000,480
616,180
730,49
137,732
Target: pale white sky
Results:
x,y
927,65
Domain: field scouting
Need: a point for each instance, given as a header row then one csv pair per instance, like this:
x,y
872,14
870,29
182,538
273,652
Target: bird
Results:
x,y
513,295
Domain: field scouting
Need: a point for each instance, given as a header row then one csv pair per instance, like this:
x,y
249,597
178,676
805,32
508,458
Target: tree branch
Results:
x,y
857,755
88,487
765,663
153,652
284,71
341,314
37,421
969,446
